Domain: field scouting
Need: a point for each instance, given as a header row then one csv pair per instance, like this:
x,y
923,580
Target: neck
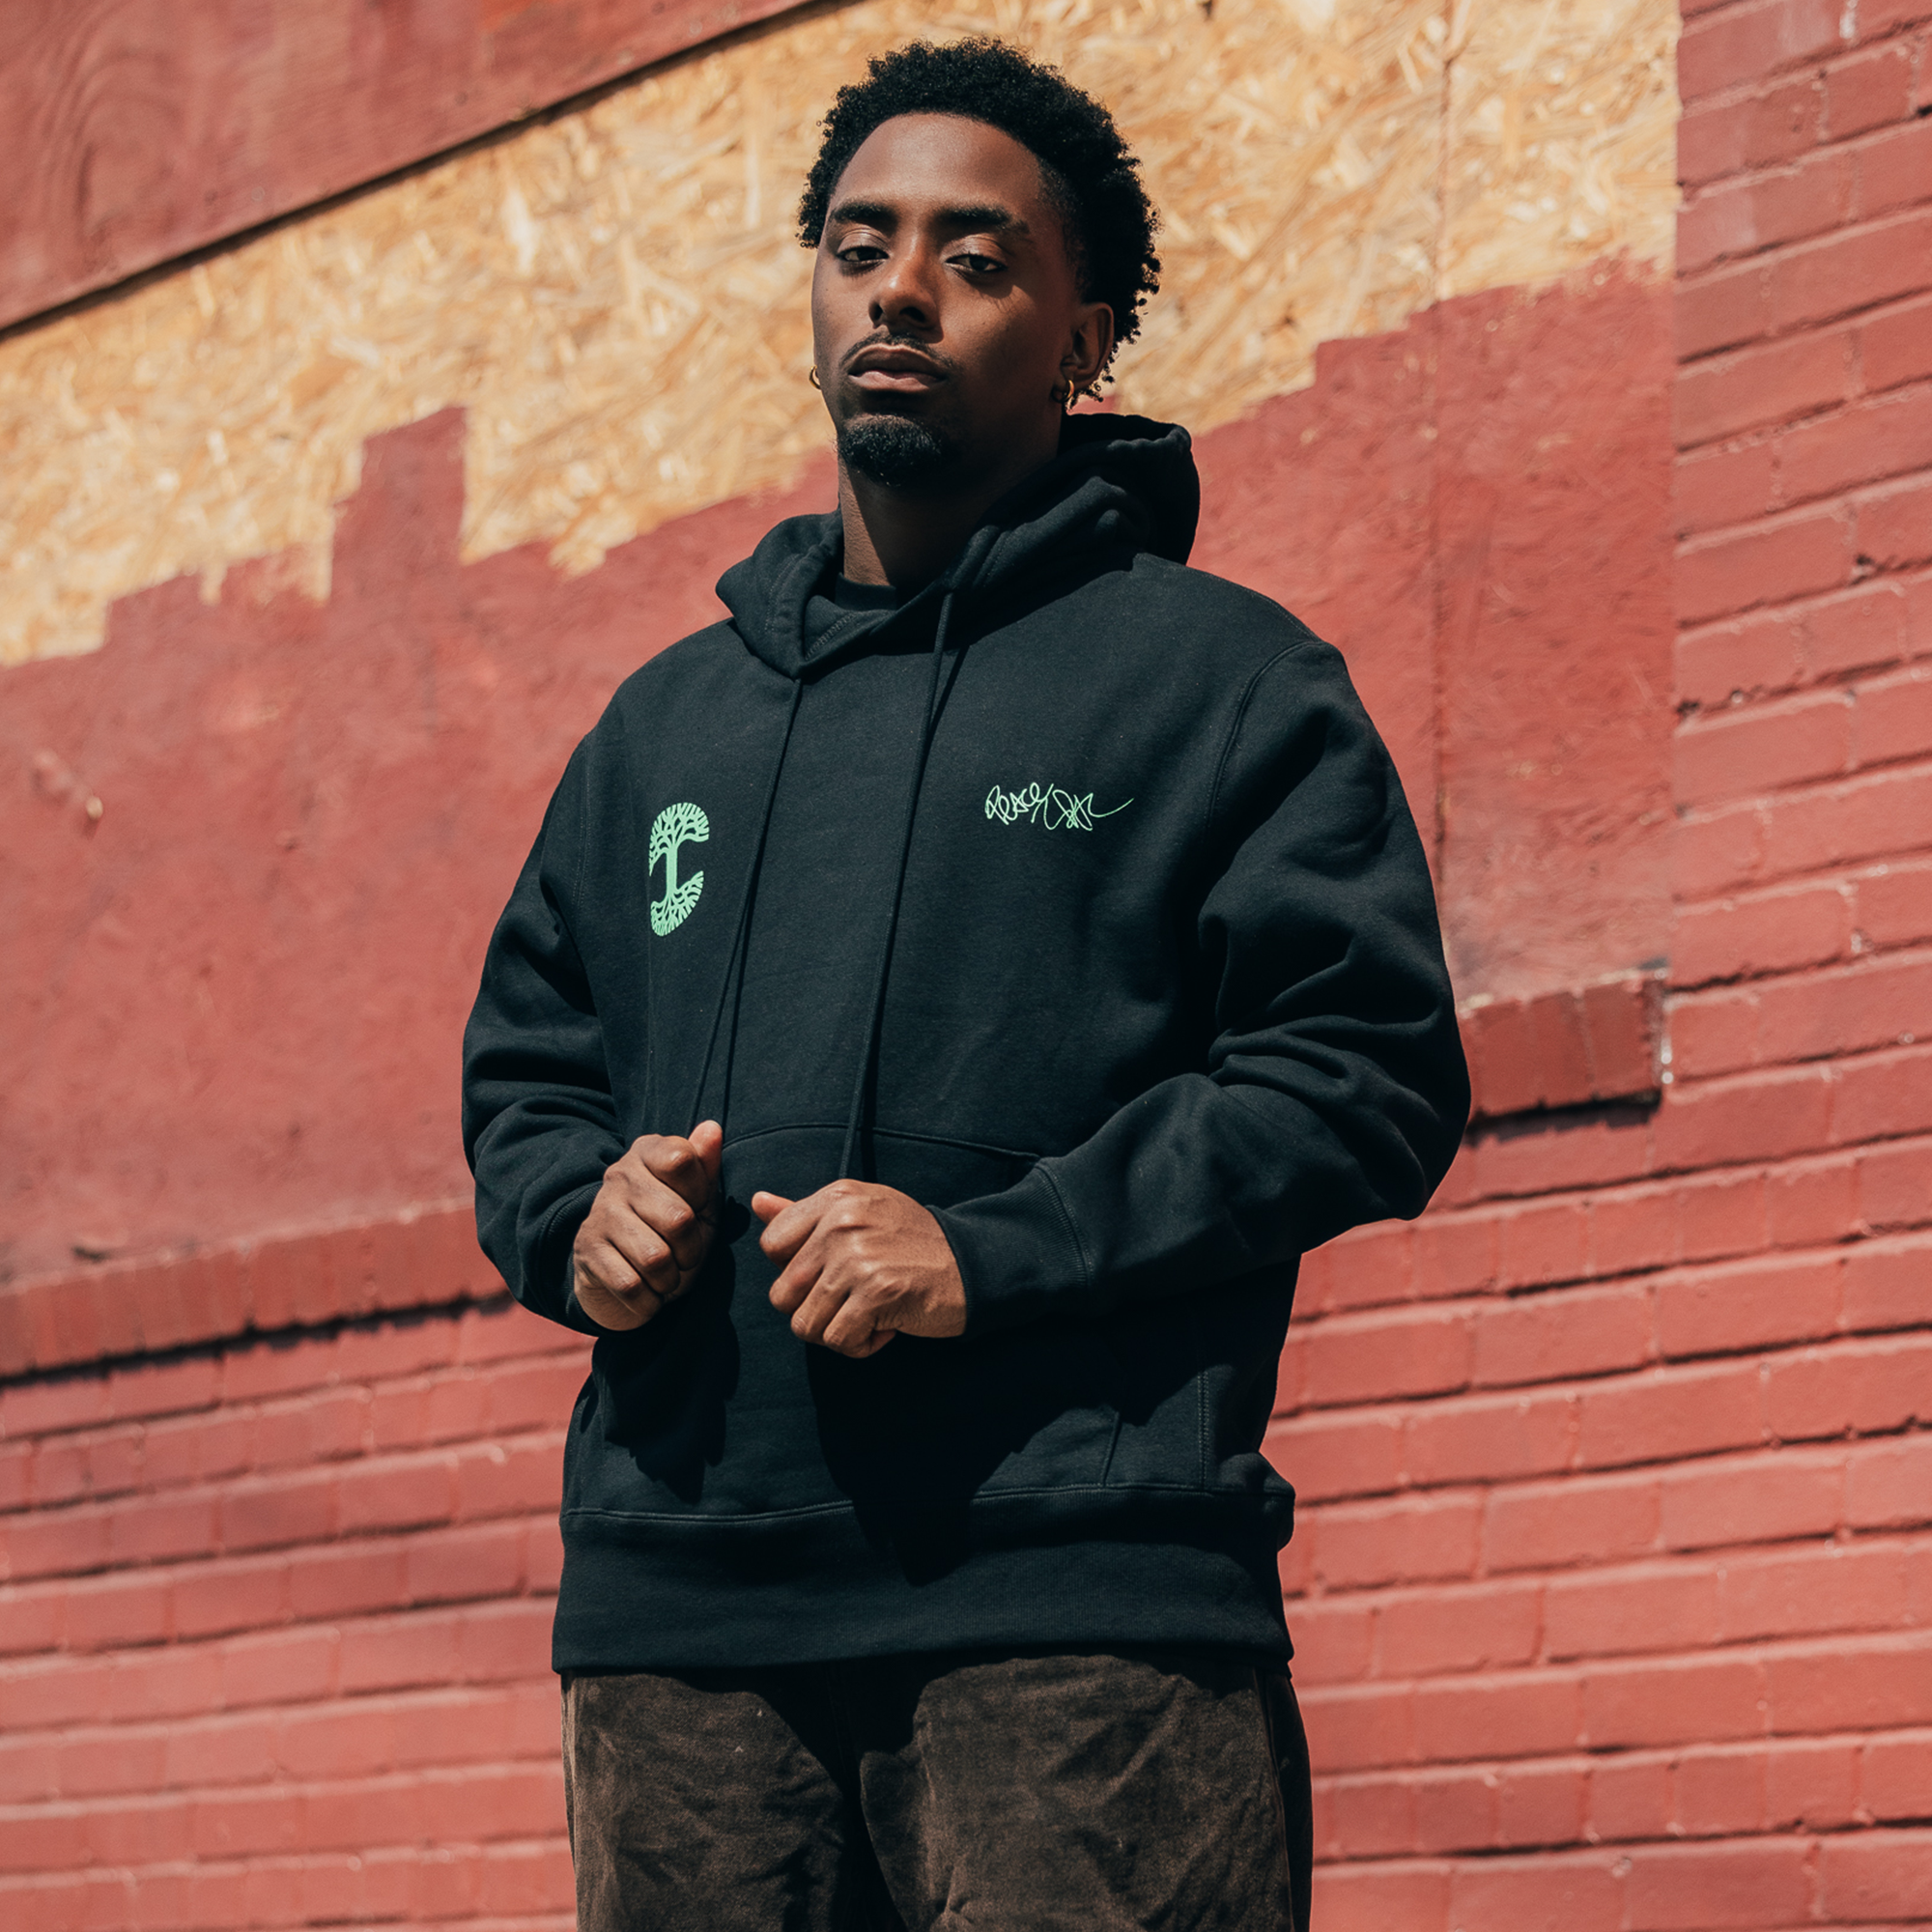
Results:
x,y
907,538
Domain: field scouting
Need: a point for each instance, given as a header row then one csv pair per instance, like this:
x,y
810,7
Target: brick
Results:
x,y
1878,1096
1867,1684
1713,1033
1888,1486
1888,436
178,1681
1819,281
1737,219
1895,718
1867,1875
59,1544
1742,658
1723,308
1773,385
94,1763
1721,1793
197,1449
1750,749
347,1579
1714,139
319,1428
1359,1727
1489,1438
1544,1156
1453,1810
139,1833
1895,1775
155,1528
1543,1525
1542,1243
1776,932
1749,1304
451,1566
1759,1883
1813,1204
1751,42
1651,1608
1523,1713
1718,851
1894,904
1715,488
1868,91
220,1751
1894,172
1855,631
276,1512
1760,1117
240,1822
538,1394
213,1599
1539,1804
1897,347
395,1495
1327,1456
1577,1331
389,1810
1811,1786
54,1693
1670,1413
398,1652
1895,1185
1370,1265
107,1613
1895,524
1456,1254
1378,1357
1868,818
516,1477
1363,1543
1764,564
1334,1642
1575,1894
1849,1389
1769,1498
1697,1700
279,1668
1722,1215
32,1619
1372,1817
1876,1003
347,1740
1487,1627
1629,1798
1807,1591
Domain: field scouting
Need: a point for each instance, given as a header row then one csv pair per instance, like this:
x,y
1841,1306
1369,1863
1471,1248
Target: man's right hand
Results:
x,y
650,1227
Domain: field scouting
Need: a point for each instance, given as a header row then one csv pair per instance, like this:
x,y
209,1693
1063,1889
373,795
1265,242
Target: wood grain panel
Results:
x,y
157,126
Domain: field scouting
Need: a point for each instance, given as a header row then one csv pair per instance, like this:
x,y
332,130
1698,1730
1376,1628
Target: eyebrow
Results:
x,y
882,215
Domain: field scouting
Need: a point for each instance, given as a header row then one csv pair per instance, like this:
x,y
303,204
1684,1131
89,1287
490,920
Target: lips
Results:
x,y
884,371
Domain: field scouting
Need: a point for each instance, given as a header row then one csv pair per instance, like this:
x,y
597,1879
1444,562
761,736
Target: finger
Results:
x,y
668,1215
852,1326
792,1225
682,1168
768,1206
608,1291
708,1138
798,1277
646,1251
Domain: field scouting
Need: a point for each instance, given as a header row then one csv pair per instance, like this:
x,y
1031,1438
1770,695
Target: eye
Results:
x,y
979,264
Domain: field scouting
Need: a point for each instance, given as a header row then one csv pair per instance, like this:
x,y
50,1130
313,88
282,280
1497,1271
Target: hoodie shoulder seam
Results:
x,y
1241,717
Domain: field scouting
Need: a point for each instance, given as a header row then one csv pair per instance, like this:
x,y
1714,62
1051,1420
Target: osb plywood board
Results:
x,y
619,299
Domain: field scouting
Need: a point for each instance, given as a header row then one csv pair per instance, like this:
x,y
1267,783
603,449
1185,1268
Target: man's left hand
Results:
x,y
860,1264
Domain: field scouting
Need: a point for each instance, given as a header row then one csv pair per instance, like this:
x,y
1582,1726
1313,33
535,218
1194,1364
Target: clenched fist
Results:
x,y
650,1227
860,1264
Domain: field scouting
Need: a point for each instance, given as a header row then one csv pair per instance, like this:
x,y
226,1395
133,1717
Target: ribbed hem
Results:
x,y
646,1593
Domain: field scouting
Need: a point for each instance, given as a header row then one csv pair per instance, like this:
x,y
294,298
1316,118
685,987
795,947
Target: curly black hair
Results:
x,y
1090,175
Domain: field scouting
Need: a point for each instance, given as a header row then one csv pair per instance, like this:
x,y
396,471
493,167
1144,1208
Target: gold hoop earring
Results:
x,y
813,379
1063,394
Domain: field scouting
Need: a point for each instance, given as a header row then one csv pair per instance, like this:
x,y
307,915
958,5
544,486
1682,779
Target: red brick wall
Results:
x,y
1613,1583
274,1646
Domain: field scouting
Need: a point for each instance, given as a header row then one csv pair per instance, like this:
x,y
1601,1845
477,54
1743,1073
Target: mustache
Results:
x,y
887,340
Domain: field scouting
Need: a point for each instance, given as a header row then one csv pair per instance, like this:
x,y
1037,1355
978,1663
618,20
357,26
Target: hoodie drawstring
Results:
x,y
869,1053
744,921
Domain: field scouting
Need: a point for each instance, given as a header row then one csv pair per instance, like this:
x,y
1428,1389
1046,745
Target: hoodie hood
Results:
x,y
1118,483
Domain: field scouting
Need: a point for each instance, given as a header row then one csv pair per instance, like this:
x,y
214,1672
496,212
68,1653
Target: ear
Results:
x,y
1089,344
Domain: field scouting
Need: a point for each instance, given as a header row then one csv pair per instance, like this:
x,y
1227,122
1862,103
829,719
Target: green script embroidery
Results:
x,y
675,826
1047,806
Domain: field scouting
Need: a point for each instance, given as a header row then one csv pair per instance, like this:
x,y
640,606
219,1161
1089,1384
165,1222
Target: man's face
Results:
x,y
943,306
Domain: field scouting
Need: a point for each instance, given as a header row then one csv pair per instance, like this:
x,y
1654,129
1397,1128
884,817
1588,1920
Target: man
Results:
x,y
943,1002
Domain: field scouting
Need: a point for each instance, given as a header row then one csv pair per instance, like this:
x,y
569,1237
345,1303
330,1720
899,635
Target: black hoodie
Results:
x,y
1078,898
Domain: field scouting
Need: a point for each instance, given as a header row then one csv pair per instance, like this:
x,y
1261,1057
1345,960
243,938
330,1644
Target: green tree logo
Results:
x,y
675,826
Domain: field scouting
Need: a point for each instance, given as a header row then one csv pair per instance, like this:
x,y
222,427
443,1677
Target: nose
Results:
x,y
903,299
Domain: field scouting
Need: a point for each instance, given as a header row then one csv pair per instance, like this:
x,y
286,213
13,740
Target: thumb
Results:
x,y
768,1206
707,1137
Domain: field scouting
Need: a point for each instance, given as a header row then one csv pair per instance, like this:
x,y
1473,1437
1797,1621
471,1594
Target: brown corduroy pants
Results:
x,y
1066,1793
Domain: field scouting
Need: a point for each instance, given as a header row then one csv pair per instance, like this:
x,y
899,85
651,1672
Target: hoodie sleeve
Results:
x,y
1334,1091
539,1125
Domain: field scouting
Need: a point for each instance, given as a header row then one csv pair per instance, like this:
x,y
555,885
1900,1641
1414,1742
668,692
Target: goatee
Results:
x,y
896,451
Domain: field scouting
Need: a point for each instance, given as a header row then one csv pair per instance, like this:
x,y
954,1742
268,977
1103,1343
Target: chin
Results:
x,y
899,452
